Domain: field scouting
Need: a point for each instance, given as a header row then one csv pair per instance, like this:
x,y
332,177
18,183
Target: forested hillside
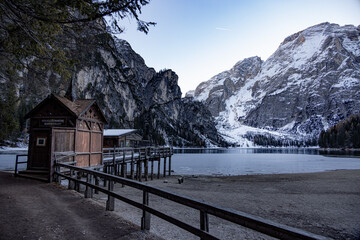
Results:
x,y
345,134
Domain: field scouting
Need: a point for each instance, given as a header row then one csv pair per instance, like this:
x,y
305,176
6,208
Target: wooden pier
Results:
x,y
133,163
137,163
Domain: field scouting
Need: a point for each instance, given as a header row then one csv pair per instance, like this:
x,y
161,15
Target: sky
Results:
x,y
198,39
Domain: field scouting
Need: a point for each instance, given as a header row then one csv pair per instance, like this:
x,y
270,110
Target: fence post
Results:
x,y
89,191
105,170
71,182
145,220
110,203
97,181
16,164
204,221
57,170
77,184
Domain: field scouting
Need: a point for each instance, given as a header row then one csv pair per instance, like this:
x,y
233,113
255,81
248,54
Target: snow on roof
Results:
x,y
117,132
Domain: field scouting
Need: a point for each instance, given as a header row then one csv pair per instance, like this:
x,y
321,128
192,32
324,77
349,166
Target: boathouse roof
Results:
x,y
76,108
117,132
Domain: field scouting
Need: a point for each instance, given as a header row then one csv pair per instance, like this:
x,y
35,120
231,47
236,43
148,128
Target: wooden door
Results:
x,y
63,143
40,144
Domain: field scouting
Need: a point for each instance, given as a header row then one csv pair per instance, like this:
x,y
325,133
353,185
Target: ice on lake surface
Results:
x,y
258,161
242,161
7,162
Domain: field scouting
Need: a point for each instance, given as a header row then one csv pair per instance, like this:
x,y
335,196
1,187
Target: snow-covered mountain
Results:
x,y
311,82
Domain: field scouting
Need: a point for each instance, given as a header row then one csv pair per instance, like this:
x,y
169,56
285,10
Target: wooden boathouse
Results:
x,y
58,124
122,138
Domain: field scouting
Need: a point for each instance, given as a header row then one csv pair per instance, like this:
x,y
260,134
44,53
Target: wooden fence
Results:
x,y
91,180
17,162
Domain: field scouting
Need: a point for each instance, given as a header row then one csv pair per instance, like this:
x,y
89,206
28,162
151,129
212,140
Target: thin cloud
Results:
x,y
223,29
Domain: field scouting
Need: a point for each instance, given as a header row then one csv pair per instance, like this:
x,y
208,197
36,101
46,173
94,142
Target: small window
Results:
x,y
40,142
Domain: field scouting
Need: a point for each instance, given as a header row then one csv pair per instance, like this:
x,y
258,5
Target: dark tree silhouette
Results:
x,y
345,134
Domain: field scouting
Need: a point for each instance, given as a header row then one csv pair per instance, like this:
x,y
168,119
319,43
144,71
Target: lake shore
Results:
x,y
325,203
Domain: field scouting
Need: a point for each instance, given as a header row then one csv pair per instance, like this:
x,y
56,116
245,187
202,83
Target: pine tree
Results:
x,y
35,29
8,119
345,134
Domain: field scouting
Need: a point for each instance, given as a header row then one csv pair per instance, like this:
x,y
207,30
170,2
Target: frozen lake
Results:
x,y
242,161
258,161
7,161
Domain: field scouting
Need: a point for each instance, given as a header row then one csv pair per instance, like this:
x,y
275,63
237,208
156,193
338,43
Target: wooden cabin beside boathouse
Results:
x,y
122,138
58,124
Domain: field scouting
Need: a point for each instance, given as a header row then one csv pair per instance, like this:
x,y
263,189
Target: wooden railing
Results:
x,y
120,154
17,162
205,209
116,160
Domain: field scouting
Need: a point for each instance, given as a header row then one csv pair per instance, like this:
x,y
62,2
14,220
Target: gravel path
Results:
x,y
325,203
30,209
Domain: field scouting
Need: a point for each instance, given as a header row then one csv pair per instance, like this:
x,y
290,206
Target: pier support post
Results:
x,y
123,165
132,165
169,165
146,168
140,170
164,166
113,172
152,170
158,172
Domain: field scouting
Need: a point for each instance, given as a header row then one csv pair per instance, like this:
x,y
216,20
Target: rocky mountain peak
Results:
x,y
131,94
310,82
222,86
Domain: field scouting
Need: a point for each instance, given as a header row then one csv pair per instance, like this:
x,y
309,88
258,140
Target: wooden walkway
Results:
x,y
134,163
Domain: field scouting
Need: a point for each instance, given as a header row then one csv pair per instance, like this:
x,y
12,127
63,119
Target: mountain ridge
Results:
x,y
131,94
309,83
